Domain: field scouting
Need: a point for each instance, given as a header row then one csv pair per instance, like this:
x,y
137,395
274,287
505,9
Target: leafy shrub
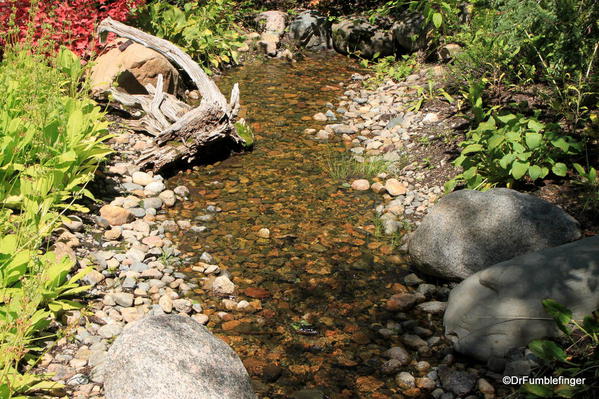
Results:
x,y
50,146
207,30
68,22
576,357
588,181
506,148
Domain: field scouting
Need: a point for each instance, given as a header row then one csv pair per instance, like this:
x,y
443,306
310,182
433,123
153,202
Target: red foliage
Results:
x,y
65,22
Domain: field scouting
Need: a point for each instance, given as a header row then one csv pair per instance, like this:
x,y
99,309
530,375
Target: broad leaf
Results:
x,y
533,140
535,172
547,350
560,169
519,169
561,314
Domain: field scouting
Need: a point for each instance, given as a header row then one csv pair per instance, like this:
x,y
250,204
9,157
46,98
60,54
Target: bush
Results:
x,y
67,22
206,31
576,356
50,146
510,147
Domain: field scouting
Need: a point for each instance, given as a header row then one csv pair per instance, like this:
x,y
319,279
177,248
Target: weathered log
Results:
x,y
180,132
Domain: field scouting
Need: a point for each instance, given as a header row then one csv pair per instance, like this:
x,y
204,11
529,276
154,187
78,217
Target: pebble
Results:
x,y
168,197
153,202
115,215
405,380
320,117
142,178
264,233
222,285
123,299
166,303
394,187
433,307
109,330
360,185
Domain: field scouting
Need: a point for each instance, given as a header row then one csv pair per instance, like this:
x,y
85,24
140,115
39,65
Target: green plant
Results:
x,y
246,133
442,15
575,357
390,68
506,148
207,30
344,166
587,180
50,147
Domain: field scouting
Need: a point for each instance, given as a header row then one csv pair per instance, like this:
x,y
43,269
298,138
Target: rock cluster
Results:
x,y
133,274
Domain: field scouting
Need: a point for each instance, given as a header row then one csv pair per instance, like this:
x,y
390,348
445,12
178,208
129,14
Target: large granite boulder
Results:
x,y
272,24
499,308
131,66
173,357
357,36
311,30
467,231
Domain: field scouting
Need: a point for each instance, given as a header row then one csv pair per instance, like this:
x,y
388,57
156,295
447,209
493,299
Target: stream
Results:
x,y
318,282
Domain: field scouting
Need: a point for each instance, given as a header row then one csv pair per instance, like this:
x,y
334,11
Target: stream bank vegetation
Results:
x,y
524,78
51,145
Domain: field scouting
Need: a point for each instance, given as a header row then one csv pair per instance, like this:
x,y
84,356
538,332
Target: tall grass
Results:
x,y
50,146
343,166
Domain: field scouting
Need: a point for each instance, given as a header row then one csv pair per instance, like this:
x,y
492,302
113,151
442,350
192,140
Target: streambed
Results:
x,y
318,280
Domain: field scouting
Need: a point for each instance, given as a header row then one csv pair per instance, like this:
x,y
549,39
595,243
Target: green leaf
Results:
x,y
591,325
450,185
470,173
562,144
578,167
472,148
541,391
566,391
495,141
506,161
437,20
559,169
547,350
519,169
535,125
534,172
561,314
506,119
533,140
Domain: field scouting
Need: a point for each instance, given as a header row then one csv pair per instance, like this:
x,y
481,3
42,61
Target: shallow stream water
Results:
x,y
323,275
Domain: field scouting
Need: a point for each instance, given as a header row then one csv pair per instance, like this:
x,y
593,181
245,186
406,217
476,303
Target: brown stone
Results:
x,y
132,69
400,302
115,215
395,188
256,292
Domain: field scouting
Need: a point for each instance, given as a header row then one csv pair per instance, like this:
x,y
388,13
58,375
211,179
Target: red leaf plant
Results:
x,y
68,22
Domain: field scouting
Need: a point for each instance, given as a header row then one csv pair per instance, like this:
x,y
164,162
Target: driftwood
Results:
x,y
180,131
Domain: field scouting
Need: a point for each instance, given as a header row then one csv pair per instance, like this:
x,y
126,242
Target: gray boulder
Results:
x,y
272,24
499,308
358,36
311,30
410,32
469,230
173,357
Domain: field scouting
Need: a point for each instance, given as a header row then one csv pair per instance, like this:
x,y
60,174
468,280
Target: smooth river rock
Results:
x,y
469,230
500,308
173,357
